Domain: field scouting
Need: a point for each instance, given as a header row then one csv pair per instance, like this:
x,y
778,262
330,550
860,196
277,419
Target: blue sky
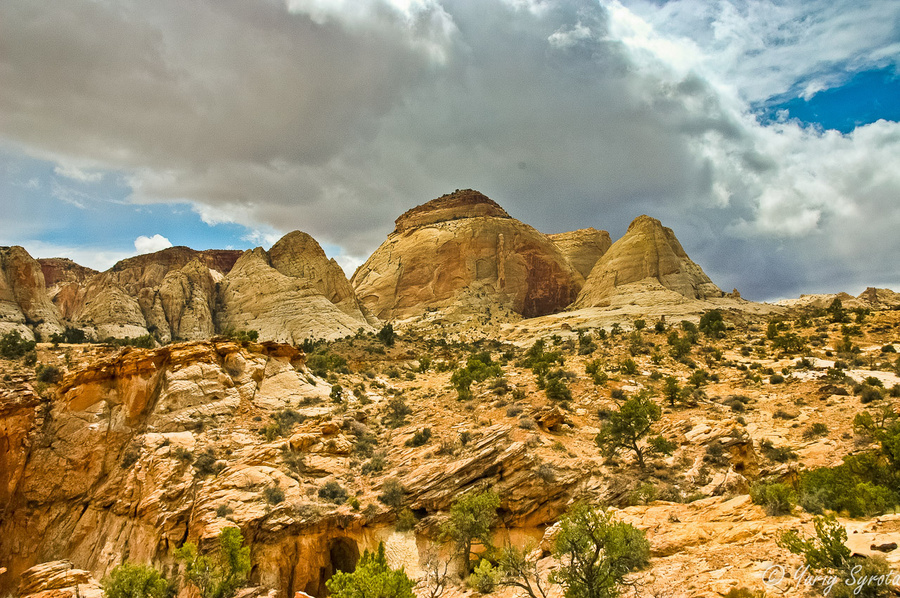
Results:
x,y
864,98
764,133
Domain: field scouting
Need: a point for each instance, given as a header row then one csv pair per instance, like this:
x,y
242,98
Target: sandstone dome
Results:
x,y
649,256
463,251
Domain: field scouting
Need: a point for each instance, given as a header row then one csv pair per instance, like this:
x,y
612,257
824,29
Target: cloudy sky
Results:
x,y
763,132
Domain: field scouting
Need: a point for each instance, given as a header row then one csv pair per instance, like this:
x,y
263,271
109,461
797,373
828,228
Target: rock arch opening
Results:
x,y
342,555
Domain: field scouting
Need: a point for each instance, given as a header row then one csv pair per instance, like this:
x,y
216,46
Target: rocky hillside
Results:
x,y
646,261
318,456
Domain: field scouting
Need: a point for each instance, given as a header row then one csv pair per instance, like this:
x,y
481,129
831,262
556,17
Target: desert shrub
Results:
x,y
513,410
72,336
273,494
396,412
827,555
596,552
406,520
555,388
282,422
781,454
130,580
782,414
321,363
869,394
594,369
420,437
241,335
221,574
48,374
776,498
337,393
484,578
376,464
392,493
372,578
712,324
776,379
815,430
745,593
386,335
629,367
206,464
332,491
698,378
14,346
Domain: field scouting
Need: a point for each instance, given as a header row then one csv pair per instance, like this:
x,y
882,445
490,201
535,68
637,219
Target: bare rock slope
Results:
x,y
583,247
462,251
24,303
647,259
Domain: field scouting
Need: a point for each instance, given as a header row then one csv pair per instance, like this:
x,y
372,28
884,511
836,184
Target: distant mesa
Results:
x,y
463,253
651,257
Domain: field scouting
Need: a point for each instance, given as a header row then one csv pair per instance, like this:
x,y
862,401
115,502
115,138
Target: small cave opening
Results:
x,y
343,554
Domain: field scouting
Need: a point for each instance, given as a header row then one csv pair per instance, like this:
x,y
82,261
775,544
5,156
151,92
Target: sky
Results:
x,y
764,133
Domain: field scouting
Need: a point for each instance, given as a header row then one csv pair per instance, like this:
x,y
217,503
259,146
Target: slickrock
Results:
x,y
299,255
257,296
58,579
464,252
648,256
24,302
583,247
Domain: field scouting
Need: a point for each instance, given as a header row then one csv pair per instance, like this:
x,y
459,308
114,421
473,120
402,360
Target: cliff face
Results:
x,y
143,450
583,247
463,251
648,257
24,304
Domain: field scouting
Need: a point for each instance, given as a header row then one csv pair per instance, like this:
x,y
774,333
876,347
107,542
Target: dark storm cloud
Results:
x,y
334,121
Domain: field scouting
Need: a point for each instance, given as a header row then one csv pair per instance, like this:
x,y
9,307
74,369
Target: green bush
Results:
x,y
387,336
13,346
221,574
332,491
596,552
130,580
372,578
484,578
392,493
712,324
406,520
396,412
72,336
776,498
273,495
826,555
420,437
48,374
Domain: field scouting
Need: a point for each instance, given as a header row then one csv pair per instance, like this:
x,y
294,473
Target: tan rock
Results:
x,y
463,252
256,296
24,303
648,253
299,255
583,247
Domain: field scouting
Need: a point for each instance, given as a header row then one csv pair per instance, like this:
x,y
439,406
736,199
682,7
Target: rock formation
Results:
x,y
298,255
650,258
24,304
464,252
583,247
289,294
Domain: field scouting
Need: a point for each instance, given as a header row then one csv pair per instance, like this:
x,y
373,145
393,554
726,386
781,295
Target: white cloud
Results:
x,y
98,258
75,173
151,244
334,117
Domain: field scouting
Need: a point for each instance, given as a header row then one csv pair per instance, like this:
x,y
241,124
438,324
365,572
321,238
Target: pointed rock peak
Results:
x,y
465,203
644,221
